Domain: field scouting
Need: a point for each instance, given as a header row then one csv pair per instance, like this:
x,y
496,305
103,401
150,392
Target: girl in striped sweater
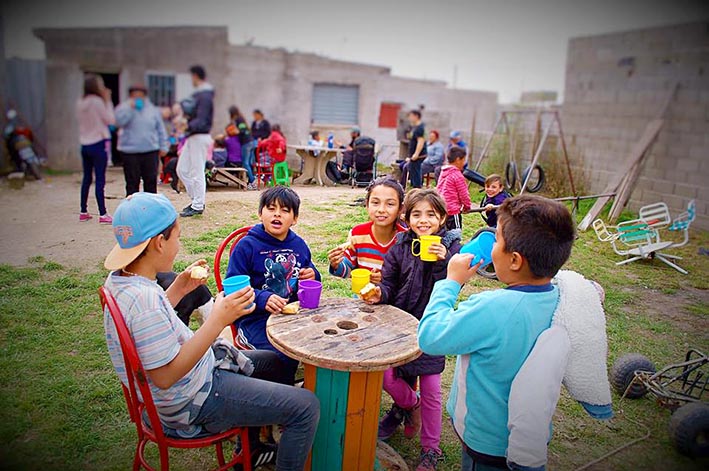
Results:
x,y
368,243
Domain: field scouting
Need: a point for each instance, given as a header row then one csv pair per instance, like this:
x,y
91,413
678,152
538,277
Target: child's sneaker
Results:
x,y
412,420
83,217
390,422
429,460
105,219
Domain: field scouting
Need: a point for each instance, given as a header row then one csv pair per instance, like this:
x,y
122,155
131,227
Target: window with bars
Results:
x,y
161,89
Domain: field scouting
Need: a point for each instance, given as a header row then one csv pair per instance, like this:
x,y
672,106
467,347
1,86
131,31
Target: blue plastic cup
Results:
x,y
235,283
481,248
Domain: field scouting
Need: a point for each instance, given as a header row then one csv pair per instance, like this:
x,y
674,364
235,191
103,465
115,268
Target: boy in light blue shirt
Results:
x,y
493,332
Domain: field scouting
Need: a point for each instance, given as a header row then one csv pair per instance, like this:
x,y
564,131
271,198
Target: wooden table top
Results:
x,y
313,148
346,334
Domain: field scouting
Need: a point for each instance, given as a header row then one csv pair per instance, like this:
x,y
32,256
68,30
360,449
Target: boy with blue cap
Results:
x,y
193,390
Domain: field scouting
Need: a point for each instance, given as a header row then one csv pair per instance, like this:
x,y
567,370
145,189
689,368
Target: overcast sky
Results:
x,y
504,45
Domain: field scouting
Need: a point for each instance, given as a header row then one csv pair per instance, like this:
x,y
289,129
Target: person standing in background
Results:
x,y
142,140
94,112
190,165
247,144
417,149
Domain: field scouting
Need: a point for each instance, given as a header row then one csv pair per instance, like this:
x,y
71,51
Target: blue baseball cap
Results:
x,y
455,134
139,218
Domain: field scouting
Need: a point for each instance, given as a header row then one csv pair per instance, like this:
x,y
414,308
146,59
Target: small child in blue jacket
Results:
x,y
275,258
493,332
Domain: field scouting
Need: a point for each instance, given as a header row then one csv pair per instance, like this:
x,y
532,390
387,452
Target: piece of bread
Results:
x,y
368,292
291,308
199,273
346,245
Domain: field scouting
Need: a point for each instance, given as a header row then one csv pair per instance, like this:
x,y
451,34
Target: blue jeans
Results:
x,y
239,400
247,159
468,463
94,159
415,174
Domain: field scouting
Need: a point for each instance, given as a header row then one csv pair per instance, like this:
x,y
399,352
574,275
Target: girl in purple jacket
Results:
x,y
407,283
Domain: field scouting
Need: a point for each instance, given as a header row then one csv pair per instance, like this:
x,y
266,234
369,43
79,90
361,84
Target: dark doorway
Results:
x,y
112,82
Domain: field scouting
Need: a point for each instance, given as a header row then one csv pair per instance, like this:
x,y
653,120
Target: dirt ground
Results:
x,y
42,218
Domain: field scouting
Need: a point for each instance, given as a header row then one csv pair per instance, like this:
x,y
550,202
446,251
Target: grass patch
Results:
x,y
63,407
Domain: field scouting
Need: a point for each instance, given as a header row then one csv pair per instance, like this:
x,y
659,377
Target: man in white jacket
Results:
x,y
190,166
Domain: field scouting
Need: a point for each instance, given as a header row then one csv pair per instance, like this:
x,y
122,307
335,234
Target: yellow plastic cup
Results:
x,y
360,277
424,242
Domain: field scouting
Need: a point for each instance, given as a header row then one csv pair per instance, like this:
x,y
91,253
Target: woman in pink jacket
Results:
x,y
94,112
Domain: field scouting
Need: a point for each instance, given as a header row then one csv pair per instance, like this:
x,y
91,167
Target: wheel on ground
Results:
x,y
510,175
489,270
623,373
536,179
689,429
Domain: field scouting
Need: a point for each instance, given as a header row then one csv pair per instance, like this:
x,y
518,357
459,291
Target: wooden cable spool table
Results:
x,y
346,345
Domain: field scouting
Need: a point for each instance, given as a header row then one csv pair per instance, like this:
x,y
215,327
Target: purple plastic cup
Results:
x,y
309,293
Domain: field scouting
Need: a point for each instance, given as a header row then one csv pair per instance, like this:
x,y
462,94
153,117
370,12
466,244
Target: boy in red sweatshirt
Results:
x,y
453,187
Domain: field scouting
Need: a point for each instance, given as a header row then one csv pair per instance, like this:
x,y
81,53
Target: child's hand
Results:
x,y
275,304
489,208
306,274
184,281
459,269
227,309
439,250
375,276
336,256
376,298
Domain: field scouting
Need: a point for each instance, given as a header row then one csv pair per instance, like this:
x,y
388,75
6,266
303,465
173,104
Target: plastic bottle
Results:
x,y
330,140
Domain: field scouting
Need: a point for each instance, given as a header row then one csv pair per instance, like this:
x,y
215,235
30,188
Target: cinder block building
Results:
x,y
615,84
298,90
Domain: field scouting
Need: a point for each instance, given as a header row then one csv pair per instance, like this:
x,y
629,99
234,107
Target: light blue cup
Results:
x,y
235,283
481,248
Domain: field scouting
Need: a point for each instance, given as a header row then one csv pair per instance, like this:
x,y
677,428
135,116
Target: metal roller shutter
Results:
x,y
335,104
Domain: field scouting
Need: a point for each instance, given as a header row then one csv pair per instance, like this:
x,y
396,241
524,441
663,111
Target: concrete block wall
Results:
x,y
617,83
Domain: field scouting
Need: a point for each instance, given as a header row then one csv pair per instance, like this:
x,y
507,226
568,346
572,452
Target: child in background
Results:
x,y
493,332
275,258
494,196
368,243
407,283
453,187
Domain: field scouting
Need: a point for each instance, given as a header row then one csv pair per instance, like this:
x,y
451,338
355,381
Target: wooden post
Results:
x,y
562,142
471,144
537,155
487,144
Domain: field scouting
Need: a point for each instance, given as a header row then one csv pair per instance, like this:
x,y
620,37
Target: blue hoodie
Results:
x,y
273,266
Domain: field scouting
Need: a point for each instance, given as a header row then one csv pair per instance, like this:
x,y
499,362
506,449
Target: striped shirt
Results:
x,y
365,251
158,335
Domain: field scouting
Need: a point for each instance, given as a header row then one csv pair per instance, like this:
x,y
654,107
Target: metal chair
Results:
x,y
230,241
683,222
637,240
144,414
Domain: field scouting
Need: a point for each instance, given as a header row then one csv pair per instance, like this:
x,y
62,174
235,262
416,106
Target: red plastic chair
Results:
x,y
264,167
137,408
232,239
